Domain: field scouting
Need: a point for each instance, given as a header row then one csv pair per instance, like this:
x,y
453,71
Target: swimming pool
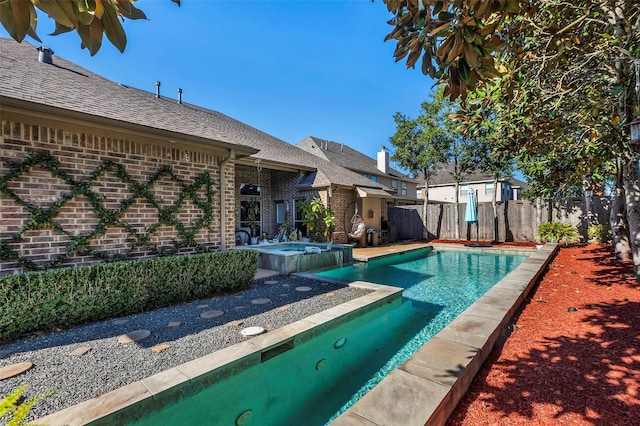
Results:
x,y
425,388
438,286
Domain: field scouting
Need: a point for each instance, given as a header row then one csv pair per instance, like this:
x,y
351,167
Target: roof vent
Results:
x,y
45,55
179,96
157,89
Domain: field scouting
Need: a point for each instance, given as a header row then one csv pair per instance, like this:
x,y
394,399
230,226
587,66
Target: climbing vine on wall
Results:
x,y
45,217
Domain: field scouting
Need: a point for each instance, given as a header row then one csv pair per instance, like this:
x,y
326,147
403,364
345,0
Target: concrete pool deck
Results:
x,y
428,386
424,390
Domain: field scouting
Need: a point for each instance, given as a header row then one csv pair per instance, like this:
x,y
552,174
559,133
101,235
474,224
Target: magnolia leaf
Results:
x,y
61,11
135,13
85,16
99,10
91,36
61,29
21,16
413,58
123,7
113,29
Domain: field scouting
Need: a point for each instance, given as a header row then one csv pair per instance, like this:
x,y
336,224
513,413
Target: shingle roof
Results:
x,y
443,176
345,156
71,88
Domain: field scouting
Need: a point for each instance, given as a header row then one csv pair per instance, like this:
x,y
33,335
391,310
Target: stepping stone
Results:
x,y
133,336
80,351
324,284
284,308
330,294
271,282
303,288
174,324
284,295
159,348
14,369
211,314
202,306
261,301
251,331
236,323
239,308
121,321
238,297
286,285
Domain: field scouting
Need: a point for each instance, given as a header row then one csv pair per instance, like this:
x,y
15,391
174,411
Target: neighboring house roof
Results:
x,y
443,176
347,157
517,183
74,91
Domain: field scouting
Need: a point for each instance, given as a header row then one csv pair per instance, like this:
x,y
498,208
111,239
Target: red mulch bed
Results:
x,y
561,367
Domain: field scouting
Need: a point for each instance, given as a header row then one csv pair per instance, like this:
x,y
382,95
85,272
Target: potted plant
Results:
x,y
284,230
318,219
253,220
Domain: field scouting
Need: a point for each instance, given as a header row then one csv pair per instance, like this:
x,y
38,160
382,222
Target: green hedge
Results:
x,y
63,298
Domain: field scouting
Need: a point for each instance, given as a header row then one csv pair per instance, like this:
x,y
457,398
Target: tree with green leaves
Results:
x,y
90,18
571,72
487,141
428,140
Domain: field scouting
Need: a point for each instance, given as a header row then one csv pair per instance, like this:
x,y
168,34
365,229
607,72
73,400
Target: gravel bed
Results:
x,y
110,365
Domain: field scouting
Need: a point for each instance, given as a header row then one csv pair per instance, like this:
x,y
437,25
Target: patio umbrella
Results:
x,y
471,215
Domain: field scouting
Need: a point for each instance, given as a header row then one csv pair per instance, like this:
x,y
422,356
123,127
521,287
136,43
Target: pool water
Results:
x,y
317,380
438,286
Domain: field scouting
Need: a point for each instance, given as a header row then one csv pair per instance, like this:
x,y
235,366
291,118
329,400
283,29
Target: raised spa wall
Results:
x,y
280,256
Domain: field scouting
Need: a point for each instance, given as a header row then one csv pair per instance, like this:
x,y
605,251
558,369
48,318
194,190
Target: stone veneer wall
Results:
x,y
80,150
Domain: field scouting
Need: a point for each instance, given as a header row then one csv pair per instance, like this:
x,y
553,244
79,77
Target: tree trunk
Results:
x,y
456,211
494,205
632,197
618,221
425,205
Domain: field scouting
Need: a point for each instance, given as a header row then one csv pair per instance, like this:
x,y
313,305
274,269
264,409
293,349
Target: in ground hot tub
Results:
x,y
290,257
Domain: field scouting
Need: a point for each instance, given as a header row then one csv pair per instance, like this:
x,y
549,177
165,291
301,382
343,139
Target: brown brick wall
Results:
x,y
80,150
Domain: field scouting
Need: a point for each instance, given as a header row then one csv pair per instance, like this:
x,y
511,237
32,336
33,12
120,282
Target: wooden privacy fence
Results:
x,y
517,220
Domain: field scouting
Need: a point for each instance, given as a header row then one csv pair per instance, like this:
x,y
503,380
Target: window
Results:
x,y
404,188
374,178
297,218
280,218
464,190
394,186
488,188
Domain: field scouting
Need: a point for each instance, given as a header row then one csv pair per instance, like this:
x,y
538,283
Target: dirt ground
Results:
x,y
573,354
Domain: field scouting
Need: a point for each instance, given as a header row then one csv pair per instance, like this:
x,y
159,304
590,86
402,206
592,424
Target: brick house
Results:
x,y
403,188
92,170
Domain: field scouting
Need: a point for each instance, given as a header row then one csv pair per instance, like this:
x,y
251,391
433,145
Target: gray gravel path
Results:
x,y
110,365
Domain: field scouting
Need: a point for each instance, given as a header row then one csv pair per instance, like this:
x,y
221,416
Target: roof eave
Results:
x,y
35,109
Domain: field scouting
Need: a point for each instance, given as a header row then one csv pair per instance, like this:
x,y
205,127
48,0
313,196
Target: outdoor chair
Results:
x,y
358,232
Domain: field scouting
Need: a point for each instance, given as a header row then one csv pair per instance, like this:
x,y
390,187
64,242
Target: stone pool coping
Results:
x,y
131,401
426,389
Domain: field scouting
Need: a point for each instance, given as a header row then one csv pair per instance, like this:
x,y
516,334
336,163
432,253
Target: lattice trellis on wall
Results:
x,y
186,210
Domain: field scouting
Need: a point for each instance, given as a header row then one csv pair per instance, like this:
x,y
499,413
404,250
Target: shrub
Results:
x,y
555,232
13,409
599,233
63,298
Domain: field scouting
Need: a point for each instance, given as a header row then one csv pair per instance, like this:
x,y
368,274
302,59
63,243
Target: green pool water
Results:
x,y
317,380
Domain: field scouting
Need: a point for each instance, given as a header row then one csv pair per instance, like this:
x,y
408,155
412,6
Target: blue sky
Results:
x,y
288,68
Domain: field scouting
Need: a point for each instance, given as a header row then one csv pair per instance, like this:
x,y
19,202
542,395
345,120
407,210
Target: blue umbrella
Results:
x,y
471,214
